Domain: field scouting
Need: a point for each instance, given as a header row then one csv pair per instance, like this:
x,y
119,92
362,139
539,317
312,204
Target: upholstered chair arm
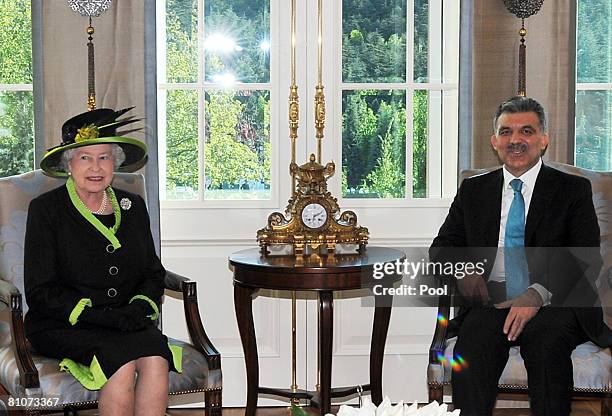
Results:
x,y
28,375
199,338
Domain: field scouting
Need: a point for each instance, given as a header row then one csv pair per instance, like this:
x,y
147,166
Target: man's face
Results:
x,y
519,141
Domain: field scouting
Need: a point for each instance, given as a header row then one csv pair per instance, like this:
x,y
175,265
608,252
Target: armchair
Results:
x,y
592,365
25,374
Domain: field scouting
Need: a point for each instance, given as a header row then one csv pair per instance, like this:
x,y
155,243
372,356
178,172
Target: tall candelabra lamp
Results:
x,y
313,223
90,9
523,9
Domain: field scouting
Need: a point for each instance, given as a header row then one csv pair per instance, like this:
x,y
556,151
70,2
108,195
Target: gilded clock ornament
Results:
x,y
312,221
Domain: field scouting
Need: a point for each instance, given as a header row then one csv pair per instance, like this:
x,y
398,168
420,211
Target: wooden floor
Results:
x,y
578,409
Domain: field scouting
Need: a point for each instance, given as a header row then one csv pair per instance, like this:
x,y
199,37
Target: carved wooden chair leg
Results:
x,y
70,411
436,392
606,406
212,403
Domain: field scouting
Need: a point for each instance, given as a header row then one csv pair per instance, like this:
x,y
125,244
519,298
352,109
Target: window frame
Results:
x,y
279,86
201,86
576,86
36,86
447,179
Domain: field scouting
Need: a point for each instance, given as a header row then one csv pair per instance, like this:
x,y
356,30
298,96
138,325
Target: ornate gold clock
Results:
x,y
313,221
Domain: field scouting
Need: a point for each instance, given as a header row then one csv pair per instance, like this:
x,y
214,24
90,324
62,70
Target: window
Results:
x,y
214,99
594,85
400,63
16,97
395,97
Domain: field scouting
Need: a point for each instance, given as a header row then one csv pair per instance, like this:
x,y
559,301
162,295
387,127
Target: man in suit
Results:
x,y
533,293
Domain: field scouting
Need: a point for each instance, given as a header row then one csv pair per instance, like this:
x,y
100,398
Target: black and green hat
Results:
x,y
97,127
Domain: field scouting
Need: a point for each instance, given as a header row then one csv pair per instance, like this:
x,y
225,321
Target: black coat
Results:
x,y
561,216
67,259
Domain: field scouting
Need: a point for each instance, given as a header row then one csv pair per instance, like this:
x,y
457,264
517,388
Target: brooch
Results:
x,y
125,204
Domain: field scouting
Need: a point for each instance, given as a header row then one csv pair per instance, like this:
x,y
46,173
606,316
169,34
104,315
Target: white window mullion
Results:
x,y
201,103
162,96
593,86
434,144
336,96
16,87
450,99
397,85
450,144
409,186
434,102
162,99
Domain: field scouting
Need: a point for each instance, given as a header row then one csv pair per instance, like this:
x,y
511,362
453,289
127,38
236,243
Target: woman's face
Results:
x,y
92,167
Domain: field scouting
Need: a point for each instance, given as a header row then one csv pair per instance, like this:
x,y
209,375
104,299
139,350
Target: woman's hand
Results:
x,y
123,318
136,314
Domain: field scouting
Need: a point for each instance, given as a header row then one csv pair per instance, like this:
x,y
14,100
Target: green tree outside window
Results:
x,y
16,107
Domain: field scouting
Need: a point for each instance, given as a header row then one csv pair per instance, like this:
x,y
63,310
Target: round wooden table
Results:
x,y
324,275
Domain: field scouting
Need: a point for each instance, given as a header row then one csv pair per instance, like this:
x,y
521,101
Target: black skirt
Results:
x,y
111,348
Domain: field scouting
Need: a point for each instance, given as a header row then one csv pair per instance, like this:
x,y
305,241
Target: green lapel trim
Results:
x,y
177,357
108,232
153,305
92,377
78,309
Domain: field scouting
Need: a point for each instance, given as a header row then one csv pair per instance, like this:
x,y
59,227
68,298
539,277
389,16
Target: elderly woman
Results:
x,y
93,281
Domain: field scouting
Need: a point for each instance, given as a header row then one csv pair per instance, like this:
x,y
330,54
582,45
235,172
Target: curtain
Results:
x,y
124,73
550,67
119,52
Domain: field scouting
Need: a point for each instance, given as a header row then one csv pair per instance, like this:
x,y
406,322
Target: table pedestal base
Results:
x,y
243,301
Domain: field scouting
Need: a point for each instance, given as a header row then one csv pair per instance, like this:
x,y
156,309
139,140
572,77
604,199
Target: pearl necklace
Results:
x,y
103,205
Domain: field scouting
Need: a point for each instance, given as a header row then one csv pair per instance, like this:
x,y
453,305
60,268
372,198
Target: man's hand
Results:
x,y
474,289
522,309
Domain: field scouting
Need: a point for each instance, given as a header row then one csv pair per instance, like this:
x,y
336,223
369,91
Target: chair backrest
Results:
x,y
16,192
601,183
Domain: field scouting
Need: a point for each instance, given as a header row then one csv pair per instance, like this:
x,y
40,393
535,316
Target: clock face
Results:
x,y
314,215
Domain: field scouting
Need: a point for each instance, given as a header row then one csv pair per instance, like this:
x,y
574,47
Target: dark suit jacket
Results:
x,y
561,235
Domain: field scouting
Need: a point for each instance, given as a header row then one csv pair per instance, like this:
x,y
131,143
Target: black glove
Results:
x,y
137,314
112,318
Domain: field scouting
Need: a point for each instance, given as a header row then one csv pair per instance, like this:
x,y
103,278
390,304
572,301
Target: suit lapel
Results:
x,y
544,190
489,208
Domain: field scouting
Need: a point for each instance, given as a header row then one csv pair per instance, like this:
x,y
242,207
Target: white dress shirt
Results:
x,y
498,273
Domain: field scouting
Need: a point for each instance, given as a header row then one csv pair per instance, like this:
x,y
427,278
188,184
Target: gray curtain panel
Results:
x,y
550,67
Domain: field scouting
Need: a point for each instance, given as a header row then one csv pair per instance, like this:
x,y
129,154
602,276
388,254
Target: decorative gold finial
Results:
x,y
319,117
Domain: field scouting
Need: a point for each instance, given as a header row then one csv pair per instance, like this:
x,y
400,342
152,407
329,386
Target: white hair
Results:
x,y
117,153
